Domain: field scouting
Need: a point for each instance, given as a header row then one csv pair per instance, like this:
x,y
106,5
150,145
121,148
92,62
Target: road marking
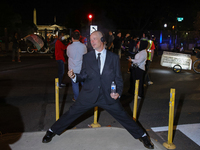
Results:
x,y
192,131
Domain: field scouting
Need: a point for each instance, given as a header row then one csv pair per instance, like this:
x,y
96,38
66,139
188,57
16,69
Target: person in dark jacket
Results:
x,y
118,44
110,41
99,69
15,48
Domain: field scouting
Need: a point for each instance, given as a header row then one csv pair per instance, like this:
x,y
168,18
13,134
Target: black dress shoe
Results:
x,y
48,137
147,143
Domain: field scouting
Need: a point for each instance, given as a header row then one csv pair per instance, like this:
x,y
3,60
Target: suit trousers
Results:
x,y
115,109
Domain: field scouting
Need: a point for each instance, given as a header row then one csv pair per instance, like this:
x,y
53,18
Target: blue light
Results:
x,y
179,19
160,37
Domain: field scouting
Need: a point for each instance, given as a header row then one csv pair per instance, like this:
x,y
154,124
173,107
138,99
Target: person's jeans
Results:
x,y
75,88
61,70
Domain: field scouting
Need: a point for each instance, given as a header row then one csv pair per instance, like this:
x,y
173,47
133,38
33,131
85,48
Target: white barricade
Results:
x,y
170,59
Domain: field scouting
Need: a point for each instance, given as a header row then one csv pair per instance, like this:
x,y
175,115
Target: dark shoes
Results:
x,y
48,137
147,143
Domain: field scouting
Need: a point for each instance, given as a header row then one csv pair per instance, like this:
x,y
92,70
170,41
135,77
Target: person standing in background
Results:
x,y
150,54
110,41
138,66
156,46
15,48
75,52
118,44
133,49
127,40
59,56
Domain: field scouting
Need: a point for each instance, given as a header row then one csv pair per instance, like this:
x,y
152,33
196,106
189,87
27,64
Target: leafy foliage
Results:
x,y
13,22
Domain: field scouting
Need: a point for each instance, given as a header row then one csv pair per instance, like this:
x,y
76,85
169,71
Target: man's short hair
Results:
x,y
134,36
143,44
76,35
118,32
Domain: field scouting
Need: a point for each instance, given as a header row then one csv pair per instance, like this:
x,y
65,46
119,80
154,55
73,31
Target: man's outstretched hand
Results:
x,y
71,74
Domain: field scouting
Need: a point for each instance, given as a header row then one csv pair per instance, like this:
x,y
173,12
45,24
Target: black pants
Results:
x,y
61,70
116,110
138,74
147,78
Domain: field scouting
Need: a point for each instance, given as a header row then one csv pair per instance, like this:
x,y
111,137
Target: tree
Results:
x,y
8,19
197,22
13,22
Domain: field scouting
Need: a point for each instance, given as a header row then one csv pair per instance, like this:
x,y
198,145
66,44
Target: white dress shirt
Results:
x,y
102,58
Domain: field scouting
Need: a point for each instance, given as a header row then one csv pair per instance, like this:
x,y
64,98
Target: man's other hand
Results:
x,y
114,95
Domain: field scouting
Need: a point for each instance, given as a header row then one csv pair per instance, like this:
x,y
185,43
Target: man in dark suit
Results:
x,y
96,91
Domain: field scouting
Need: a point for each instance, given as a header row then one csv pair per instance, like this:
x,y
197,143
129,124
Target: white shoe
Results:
x,y
150,83
62,84
139,97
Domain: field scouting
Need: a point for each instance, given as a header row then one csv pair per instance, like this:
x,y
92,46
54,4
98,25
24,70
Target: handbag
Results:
x,y
134,65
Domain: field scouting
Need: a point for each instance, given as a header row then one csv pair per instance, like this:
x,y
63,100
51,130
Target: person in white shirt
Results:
x,y
138,66
75,52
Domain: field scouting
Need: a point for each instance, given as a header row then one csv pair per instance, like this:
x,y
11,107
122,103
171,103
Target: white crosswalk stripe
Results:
x,y
192,131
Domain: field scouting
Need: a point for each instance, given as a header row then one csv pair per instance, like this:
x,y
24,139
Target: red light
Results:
x,y
90,16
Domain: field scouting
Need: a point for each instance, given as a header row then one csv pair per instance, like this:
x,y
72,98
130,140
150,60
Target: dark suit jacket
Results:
x,y
93,81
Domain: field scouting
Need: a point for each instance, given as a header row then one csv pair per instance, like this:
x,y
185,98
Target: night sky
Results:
x,y
46,10
112,12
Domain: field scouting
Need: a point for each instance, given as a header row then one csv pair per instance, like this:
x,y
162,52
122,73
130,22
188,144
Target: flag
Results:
x,y
36,40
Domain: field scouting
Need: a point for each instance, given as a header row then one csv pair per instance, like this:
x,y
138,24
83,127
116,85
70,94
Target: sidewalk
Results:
x,y
104,138
77,139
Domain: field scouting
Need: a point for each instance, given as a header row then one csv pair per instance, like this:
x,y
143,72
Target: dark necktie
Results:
x,y
99,61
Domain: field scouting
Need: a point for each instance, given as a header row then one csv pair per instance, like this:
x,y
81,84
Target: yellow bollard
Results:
x,y
95,124
169,144
57,98
135,100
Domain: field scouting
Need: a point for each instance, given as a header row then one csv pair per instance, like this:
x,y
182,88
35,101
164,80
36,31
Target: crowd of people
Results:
x,y
75,47
95,71
139,59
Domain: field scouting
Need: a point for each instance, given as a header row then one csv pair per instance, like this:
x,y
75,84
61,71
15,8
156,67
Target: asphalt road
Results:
x,y
27,99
